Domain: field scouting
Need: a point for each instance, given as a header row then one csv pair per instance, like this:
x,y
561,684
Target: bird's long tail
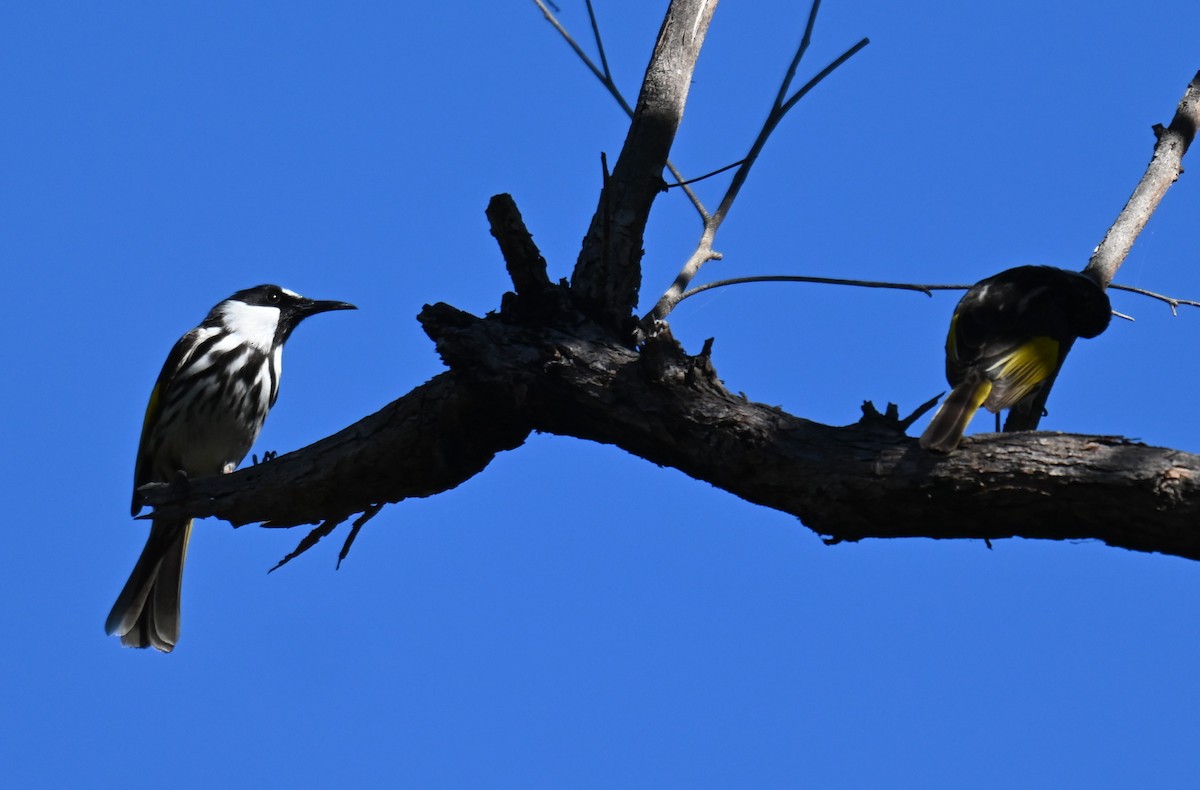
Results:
x,y
946,428
146,613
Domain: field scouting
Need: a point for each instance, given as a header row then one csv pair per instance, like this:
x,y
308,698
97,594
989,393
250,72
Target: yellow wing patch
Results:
x,y
1022,370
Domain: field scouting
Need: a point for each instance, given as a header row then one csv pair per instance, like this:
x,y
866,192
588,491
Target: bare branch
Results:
x,y
1170,300
1166,164
825,72
355,528
599,41
709,174
704,251
1164,169
805,41
926,289
797,278
605,77
314,536
608,274
863,480
526,266
778,111
601,75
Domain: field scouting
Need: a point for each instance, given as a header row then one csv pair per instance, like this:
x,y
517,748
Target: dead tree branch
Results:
x,y
608,274
430,440
606,79
704,251
1166,164
1172,302
800,278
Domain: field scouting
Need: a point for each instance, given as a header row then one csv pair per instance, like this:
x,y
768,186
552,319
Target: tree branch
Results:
x,y
435,437
864,480
704,250
606,79
608,273
1171,301
1166,164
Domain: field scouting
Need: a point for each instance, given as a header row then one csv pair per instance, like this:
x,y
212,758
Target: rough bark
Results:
x,y
608,273
864,480
430,440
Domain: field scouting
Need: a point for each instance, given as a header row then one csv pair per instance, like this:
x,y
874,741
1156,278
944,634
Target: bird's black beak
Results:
x,y
313,306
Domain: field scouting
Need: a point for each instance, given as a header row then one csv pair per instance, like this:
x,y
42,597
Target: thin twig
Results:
x,y
805,40
599,41
1164,169
926,289
1170,300
716,172
787,278
1166,164
778,111
308,541
606,80
779,108
600,75
366,516
825,72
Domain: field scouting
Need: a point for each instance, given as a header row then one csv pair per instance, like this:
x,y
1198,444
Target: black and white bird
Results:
x,y
205,411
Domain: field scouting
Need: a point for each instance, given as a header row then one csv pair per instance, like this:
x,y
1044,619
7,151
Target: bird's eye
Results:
x,y
273,296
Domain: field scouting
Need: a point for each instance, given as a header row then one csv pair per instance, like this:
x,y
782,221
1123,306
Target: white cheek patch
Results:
x,y
256,324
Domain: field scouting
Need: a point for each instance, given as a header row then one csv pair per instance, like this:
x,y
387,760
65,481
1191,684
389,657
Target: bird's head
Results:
x,y
267,314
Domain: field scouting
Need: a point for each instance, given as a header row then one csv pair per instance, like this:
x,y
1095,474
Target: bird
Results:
x,y
205,412
1008,336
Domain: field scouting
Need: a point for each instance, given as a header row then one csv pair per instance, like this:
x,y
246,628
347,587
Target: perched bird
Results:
x,y
205,411
1008,335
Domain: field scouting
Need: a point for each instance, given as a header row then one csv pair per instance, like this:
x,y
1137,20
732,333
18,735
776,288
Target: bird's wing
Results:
x,y
1017,368
179,356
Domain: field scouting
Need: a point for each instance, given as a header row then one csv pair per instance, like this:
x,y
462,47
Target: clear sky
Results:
x,y
576,617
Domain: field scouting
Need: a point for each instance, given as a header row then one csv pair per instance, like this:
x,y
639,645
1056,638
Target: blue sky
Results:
x,y
574,616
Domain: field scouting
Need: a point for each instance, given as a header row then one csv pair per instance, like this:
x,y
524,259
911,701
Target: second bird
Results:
x,y
1008,336
206,410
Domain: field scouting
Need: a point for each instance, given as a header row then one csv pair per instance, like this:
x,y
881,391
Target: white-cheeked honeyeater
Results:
x,y
205,411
